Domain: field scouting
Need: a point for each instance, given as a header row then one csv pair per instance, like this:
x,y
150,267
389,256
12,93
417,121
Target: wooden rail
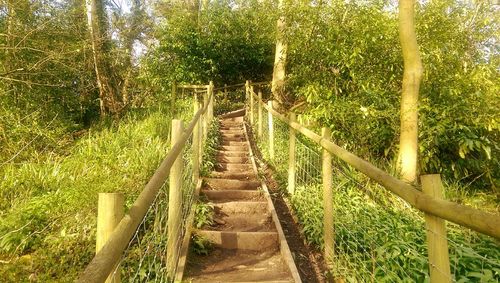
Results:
x,y
475,219
105,260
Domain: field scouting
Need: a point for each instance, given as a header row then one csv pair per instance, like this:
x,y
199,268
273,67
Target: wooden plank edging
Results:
x,y
284,248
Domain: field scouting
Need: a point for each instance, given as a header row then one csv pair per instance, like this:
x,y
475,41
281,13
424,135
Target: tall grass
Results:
x,y
48,208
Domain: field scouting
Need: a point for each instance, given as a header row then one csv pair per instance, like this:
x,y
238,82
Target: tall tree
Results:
x,y
109,96
413,69
278,83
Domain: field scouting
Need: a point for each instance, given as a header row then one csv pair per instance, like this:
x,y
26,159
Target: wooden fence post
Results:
x,y
173,98
251,105
205,115
291,157
271,130
247,89
437,241
201,137
259,109
211,101
196,143
326,169
110,210
174,202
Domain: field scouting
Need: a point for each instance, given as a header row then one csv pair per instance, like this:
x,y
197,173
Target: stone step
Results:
x,y
233,195
223,265
253,241
242,216
230,184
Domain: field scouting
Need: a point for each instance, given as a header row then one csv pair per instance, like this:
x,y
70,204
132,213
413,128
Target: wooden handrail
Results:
x,y
260,83
229,86
192,86
105,260
475,219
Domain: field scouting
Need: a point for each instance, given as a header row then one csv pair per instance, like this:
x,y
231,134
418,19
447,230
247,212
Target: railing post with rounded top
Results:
x,y
251,105
437,241
174,202
196,143
291,157
259,111
271,130
110,210
328,231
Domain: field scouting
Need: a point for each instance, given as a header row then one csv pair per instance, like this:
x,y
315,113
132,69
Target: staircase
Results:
x,y
249,245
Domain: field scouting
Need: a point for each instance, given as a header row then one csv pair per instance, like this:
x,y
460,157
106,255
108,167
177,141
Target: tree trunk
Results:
x,y
408,144
109,98
278,83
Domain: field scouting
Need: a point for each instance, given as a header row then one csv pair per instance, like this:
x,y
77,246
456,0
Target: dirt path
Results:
x,y
244,233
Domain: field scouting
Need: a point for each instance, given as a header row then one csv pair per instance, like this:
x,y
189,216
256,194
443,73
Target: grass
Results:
x,y
48,207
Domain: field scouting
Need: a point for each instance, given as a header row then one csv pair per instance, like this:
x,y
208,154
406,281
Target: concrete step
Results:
x,y
223,265
230,184
242,216
254,241
233,195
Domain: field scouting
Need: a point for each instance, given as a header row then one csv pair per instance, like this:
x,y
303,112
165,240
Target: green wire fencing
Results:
x,y
145,244
371,226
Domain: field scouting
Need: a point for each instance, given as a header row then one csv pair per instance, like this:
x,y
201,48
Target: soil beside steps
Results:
x,y
247,245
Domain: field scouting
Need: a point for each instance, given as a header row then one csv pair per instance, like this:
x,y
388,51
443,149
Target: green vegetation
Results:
x,y
385,240
83,109
212,144
48,215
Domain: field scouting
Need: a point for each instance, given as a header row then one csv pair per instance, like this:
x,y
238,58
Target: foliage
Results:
x,y
212,144
345,63
233,100
204,214
201,245
225,44
388,242
48,206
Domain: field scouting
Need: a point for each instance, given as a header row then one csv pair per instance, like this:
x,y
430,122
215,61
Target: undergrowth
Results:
x,y
388,242
378,237
212,144
48,207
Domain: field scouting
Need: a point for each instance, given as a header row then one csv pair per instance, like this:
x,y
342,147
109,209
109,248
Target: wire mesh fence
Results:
x,y
378,237
146,256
